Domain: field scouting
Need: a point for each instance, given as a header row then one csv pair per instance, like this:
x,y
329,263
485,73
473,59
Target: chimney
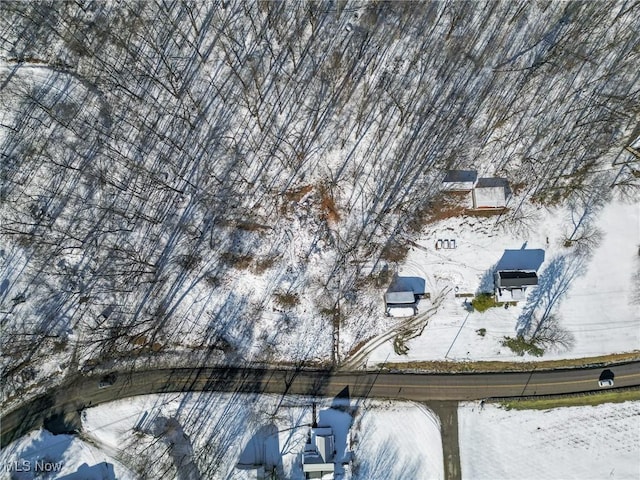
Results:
x,y
315,423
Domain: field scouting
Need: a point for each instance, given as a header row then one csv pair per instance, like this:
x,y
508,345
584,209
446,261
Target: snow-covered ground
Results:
x,y
585,443
220,206
229,436
593,295
398,441
43,455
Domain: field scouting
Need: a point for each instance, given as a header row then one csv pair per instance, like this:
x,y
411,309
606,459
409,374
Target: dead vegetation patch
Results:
x,y
328,209
485,212
142,345
286,300
330,312
518,188
138,340
297,194
442,206
358,346
237,261
261,265
437,366
395,251
246,225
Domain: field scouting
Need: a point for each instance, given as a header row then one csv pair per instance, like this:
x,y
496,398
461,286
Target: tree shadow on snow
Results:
x,y
381,461
262,450
553,284
102,470
487,281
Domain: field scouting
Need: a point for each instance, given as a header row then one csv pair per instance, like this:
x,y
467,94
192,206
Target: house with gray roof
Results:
x,y
511,285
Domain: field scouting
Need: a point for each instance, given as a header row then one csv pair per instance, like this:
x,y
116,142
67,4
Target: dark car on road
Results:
x,y
606,379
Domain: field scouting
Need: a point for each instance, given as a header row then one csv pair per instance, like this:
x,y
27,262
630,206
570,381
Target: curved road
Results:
x,y
82,391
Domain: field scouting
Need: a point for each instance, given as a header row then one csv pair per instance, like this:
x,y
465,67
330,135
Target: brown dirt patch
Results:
x,y
295,195
328,206
239,262
286,299
442,206
139,340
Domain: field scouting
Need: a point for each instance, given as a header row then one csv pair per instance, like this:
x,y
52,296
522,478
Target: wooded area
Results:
x,y
156,154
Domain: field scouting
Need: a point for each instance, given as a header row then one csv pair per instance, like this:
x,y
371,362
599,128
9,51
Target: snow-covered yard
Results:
x,y
43,455
593,295
234,436
582,443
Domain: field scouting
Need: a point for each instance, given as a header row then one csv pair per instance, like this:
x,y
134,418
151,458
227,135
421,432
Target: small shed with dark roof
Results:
x,y
459,180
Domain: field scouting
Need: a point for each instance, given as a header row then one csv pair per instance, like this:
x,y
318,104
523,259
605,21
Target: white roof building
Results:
x,y
400,304
319,454
406,297
490,193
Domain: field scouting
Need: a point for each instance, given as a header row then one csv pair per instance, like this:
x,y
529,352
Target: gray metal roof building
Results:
x,y
459,180
515,279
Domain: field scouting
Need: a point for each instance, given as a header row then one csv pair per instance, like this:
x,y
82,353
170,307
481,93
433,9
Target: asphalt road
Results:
x,y
83,391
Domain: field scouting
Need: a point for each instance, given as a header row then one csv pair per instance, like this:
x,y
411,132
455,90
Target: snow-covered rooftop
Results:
x,y
490,193
399,298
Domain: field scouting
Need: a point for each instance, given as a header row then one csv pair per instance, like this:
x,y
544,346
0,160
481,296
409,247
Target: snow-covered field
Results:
x,y
229,436
595,314
582,443
398,441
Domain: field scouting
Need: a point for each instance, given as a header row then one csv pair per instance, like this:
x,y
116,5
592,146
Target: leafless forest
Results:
x,y
158,159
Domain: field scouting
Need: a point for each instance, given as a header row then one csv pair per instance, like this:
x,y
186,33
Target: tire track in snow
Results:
x,y
417,323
